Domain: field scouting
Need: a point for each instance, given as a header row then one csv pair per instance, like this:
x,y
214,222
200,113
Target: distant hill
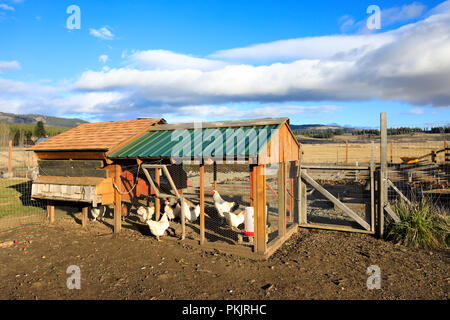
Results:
x,y
315,127
34,118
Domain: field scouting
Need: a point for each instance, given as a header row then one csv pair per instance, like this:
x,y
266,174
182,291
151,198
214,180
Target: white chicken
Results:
x,y
169,210
234,220
157,228
190,214
221,205
146,213
98,212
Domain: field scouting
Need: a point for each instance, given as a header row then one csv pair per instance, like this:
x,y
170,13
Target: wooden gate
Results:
x,y
364,224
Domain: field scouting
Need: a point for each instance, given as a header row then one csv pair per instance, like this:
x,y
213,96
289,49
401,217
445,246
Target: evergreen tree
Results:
x,y
39,130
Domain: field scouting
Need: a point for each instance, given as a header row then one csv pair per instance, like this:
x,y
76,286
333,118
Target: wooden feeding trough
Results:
x,y
257,143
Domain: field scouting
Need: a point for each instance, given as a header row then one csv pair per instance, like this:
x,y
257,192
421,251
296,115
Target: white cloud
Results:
x,y
389,16
167,60
103,58
409,64
9,66
401,14
257,112
322,47
6,7
102,33
416,111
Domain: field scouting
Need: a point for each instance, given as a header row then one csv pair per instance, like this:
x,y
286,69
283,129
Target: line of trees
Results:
x,y
327,134
25,134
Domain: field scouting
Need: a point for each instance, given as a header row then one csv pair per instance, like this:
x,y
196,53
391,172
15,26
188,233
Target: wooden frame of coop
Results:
x,y
280,149
70,162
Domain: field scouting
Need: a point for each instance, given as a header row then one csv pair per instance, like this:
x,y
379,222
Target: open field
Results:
x,y
20,158
359,148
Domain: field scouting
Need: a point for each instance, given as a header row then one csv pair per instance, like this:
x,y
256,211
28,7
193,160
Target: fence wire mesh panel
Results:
x,y
418,163
16,206
227,195
291,197
272,201
349,187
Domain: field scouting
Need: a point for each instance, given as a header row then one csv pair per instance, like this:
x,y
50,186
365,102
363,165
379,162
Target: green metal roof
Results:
x,y
245,141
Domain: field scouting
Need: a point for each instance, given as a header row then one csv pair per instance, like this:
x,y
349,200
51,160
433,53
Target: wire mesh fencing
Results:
x,y
418,165
352,190
17,167
272,202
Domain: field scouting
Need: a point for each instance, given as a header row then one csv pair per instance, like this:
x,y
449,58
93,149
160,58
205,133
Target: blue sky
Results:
x,y
312,61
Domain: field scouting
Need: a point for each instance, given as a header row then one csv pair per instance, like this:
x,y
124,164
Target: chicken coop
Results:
x,y
242,175
74,167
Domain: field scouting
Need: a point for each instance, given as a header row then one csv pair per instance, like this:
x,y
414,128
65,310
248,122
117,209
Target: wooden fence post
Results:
x,y
50,211
372,187
446,153
281,199
157,200
117,200
84,216
202,203
10,169
346,151
260,209
215,175
391,147
383,173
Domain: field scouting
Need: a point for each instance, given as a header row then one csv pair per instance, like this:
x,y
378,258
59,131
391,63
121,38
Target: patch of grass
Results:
x,y
423,225
15,197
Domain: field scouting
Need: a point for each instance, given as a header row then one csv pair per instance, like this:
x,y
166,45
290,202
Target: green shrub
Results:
x,y
423,224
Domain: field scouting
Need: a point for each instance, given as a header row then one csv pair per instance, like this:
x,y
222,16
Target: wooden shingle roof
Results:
x,y
97,136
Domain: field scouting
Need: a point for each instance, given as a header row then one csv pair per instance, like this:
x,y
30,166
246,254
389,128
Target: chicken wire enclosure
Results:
x,y
418,163
272,202
224,209
231,158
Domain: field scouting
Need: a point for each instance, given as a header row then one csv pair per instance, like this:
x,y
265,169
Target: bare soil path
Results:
x,y
313,264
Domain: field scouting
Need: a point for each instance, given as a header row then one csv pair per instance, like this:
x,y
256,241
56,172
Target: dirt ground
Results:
x,y
312,264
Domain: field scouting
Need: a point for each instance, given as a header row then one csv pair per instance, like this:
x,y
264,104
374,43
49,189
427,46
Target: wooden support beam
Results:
x,y
301,190
402,196
333,199
391,149
392,213
446,152
215,175
281,199
157,199
346,151
117,200
382,194
291,199
10,168
202,203
84,217
260,209
253,202
372,186
251,178
50,212
169,178
333,227
271,189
